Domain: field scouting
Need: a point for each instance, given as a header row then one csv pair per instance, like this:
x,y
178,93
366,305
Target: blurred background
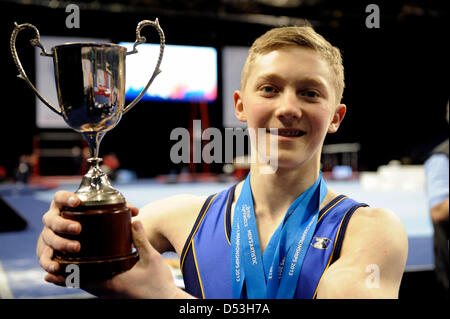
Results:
x,y
396,75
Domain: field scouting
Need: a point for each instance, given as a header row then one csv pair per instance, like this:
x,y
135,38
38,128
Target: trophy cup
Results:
x,y
90,82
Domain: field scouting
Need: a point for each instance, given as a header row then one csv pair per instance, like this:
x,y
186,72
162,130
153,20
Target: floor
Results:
x,y
22,277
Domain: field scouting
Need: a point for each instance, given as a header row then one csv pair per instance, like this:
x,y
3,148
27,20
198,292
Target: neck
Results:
x,y
274,193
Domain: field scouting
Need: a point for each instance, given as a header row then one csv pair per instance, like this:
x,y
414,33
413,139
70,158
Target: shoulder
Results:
x,y
377,228
378,215
369,224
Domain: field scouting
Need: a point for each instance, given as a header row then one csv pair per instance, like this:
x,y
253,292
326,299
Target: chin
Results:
x,y
293,160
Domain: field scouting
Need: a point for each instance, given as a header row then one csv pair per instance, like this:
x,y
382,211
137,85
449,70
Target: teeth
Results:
x,y
289,133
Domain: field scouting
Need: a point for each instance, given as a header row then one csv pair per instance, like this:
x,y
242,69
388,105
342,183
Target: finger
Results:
x,y
61,225
55,279
145,250
59,243
65,198
46,261
134,210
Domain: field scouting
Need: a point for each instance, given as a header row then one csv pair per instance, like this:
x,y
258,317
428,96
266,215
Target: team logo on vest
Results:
x,y
320,242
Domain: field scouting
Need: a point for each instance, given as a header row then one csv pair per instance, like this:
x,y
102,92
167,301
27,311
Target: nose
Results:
x,y
289,109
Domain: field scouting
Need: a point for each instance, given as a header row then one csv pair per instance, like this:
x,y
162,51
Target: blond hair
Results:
x,y
303,36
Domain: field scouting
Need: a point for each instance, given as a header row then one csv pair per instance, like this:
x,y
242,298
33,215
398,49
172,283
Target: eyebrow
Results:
x,y
313,81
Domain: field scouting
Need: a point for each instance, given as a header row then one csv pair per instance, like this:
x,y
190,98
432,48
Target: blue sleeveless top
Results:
x,y
206,259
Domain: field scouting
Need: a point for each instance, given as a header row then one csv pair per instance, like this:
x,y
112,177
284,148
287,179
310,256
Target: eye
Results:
x,y
268,90
310,94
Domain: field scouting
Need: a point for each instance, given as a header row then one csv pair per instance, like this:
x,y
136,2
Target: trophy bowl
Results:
x,y
90,83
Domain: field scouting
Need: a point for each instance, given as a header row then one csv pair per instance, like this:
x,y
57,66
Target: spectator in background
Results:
x,y
437,178
24,169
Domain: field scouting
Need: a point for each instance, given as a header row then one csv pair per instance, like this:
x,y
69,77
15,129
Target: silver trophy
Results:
x,y
90,82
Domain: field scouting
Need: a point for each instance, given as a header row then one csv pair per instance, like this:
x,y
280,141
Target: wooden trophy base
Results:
x,y
98,270
106,244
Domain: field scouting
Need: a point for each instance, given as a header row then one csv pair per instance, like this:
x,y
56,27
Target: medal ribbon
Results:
x,y
275,274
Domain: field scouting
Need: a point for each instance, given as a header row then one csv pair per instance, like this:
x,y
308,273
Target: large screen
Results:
x,y
189,73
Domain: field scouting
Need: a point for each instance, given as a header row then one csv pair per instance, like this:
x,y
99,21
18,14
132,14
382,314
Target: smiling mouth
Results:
x,y
288,132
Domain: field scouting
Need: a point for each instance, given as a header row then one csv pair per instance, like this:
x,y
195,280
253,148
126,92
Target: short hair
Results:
x,y
303,36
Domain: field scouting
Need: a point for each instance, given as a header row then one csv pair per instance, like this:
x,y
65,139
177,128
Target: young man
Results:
x,y
282,234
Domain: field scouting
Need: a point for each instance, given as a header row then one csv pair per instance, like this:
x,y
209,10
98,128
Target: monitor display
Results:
x,y
189,73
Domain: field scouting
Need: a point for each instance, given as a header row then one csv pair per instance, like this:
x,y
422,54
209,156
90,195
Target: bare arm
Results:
x,y
439,212
372,260
169,221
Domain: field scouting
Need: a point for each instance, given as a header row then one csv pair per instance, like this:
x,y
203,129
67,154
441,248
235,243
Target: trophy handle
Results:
x,y
139,40
36,43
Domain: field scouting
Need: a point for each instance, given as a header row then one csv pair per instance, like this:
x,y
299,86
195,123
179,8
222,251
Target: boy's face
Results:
x,y
291,89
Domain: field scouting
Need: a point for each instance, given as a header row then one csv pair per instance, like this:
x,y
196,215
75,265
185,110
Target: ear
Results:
x,y
239,106
338,116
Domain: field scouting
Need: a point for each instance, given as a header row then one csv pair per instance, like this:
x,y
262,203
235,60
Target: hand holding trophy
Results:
x,y
90,82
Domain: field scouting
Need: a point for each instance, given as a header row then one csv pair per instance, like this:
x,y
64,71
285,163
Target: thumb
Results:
x,y
141,242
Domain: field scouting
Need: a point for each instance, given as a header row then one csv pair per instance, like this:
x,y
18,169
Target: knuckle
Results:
x,y
58,225
59,194
46,237
49,222
49,216
58,197
61,198
43,262
52,240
